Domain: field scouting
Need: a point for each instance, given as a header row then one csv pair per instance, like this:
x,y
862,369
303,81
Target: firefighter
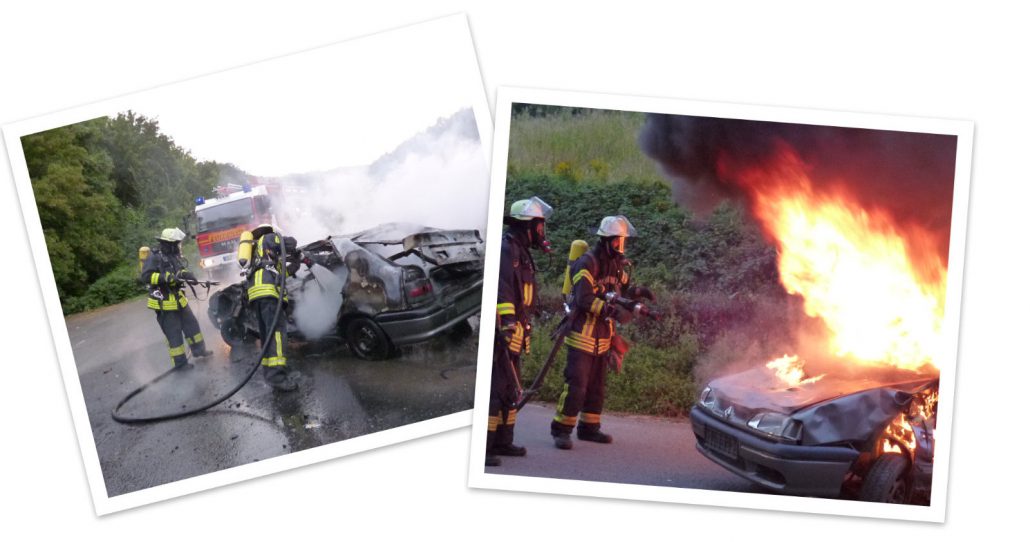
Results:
x,y
602,270
266,264
516,296
164,272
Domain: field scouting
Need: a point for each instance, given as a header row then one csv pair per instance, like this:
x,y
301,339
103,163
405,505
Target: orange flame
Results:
x,y
878,286
791,370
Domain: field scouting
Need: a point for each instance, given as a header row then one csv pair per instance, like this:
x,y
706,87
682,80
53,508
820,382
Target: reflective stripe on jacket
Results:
x,y
516,289
593,276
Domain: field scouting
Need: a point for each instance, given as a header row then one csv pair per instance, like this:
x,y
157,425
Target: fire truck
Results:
x,y
219,222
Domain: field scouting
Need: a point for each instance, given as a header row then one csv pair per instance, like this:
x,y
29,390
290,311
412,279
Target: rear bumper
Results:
x,y
790,469
417,325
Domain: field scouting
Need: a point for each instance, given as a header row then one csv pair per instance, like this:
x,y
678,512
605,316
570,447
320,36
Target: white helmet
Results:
x,y
173,235
528,209
616,226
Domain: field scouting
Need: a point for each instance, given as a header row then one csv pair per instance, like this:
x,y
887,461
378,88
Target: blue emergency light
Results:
x,y
246,187
200,200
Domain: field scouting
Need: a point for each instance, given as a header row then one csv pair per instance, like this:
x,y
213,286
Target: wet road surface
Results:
x,y
646,450
118,348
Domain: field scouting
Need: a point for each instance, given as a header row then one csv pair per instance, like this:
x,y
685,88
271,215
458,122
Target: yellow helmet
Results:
x,y
528,209
173,235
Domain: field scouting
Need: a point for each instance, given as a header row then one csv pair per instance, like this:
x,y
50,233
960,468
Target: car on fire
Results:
x,y
395,285
865,433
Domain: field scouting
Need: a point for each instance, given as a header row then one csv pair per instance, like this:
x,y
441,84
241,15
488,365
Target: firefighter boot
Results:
x,y
279,379
491,459
561,434
503,445
592,432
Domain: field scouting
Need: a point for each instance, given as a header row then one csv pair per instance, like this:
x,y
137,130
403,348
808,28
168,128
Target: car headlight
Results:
x,y
777,425
707,399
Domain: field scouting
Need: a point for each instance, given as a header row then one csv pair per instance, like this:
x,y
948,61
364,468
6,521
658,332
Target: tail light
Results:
x,y
417,286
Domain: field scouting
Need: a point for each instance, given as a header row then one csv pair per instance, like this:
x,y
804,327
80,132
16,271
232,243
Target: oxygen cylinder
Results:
x,y
144,253
577,249
245,249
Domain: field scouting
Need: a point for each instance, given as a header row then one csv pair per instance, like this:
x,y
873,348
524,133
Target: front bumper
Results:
x,y
417,325
791,469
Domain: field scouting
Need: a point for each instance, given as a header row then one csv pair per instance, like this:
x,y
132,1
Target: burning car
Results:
x,y
865,433
380,289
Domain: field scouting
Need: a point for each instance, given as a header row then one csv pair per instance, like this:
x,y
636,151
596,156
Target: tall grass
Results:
x,y
591,145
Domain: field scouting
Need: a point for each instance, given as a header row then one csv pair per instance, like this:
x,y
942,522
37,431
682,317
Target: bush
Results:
x,y
114,287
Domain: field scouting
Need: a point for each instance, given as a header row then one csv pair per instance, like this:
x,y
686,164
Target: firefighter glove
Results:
x,y
641,292
185,276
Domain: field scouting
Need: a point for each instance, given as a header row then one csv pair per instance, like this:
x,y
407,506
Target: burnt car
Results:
x,y
377,290
866,433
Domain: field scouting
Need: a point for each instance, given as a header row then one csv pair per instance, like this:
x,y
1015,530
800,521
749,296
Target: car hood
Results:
x,y
846,405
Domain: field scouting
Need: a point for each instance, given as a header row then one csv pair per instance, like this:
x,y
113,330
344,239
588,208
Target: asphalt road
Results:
x,y
120,347
646,450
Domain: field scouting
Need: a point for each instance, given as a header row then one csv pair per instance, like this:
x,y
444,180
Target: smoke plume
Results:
x,y
907,175
437,178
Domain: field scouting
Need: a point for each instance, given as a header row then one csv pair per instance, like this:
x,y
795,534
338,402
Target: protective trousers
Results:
x,y
274,360
583,395
503,396
176,325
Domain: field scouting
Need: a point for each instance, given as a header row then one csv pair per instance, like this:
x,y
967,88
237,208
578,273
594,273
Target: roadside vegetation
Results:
x,y
714,277
104,188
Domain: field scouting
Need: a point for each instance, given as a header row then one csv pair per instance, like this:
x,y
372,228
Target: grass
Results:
x,y
593,145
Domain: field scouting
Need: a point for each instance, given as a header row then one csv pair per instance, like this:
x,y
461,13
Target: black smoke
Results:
x,y
908,175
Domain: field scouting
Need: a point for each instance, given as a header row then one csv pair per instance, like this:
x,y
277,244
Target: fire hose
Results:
x,y
265,343
558,336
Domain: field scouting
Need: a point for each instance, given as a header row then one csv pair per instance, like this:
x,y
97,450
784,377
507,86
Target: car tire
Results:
x,y
887,480
367,340
233,332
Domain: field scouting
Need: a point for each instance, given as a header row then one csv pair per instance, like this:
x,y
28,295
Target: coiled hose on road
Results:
x,y
265,343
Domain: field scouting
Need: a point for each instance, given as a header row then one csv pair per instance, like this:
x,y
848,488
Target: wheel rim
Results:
x,y
367,341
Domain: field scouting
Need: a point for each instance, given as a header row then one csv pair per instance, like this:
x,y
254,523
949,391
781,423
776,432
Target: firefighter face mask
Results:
x,y
617,245
538,233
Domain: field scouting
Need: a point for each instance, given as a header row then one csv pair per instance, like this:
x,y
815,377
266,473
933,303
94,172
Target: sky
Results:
x,y
341,105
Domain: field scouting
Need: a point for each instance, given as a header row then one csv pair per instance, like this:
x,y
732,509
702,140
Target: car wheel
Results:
x,y
886,480
367,340
233,332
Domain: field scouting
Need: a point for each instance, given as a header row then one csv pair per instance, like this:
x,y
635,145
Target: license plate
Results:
x,y
720,442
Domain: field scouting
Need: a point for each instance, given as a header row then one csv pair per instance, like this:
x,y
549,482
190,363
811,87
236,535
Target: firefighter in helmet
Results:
x,y
164,272
271,256
600,271
516,297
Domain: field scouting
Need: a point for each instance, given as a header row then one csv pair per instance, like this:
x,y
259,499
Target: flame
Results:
x,y
900,430
791,371
877,285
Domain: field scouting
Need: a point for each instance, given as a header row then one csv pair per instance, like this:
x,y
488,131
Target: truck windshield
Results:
x,y
226,215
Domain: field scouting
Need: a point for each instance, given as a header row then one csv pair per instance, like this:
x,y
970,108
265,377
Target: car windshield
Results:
x,y
226,215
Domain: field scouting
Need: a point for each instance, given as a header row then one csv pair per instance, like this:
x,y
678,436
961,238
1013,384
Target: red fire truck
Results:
x,y
220,221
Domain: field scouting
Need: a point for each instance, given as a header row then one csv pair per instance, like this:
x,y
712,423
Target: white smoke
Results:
x,y
437,178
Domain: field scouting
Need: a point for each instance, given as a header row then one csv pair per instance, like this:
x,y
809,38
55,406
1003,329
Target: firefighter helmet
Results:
x,y
616,226
172,235
528,209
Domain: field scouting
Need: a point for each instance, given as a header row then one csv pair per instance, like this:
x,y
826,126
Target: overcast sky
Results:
x,y
341,105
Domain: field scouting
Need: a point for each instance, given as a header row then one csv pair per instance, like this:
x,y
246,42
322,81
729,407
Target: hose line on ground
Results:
x,y
265,342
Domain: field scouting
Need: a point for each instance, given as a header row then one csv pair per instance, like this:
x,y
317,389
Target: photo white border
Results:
x,y
478,478
447,28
